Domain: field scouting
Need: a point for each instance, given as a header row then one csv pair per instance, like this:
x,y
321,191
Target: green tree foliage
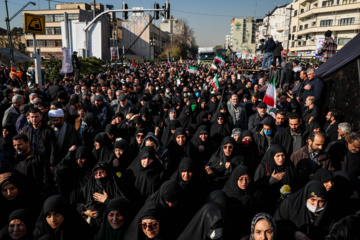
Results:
x,y
90,65
53,68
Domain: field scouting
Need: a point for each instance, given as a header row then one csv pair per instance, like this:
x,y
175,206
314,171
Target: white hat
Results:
x,y
56,113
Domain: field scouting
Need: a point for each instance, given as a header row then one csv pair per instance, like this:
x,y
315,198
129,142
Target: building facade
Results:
x,y
151,37
276,23
51,42
242,35
312,18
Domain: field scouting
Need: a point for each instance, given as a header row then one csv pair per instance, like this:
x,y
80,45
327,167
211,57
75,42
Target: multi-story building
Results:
x,y
51,42
312,18
227,41
151,37
276,23
242,35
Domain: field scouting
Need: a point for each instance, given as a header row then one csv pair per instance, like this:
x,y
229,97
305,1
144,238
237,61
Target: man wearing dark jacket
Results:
x,y
102,111
53,90
6,102
269,48
311,113
256,118
32,165
331,125
310,158
313,86
42,137
292,138
277,51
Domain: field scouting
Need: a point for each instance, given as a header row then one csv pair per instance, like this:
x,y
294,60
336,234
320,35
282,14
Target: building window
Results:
x,y
343,41
327,3
58,17
325,23
295,13
346,21
301,11
301,27
49,18
58,43
306,26
29,43
49,31
57,31
50,43
294,28
348,1
40,43
73,16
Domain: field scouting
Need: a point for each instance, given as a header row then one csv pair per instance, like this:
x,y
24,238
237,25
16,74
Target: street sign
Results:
x,y
34,23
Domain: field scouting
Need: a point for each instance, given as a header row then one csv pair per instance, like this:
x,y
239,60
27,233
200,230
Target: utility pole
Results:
x,y
288,42
94,9
9,35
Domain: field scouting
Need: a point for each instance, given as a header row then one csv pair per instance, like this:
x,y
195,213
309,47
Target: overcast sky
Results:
x,y
210,19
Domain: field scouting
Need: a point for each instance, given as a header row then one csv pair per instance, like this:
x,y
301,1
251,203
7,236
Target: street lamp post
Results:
x,y
7,20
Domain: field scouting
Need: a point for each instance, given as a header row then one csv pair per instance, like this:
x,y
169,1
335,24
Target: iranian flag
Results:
x,y
178,82
215,82
270,95
192,69
213,66
219,59
133,64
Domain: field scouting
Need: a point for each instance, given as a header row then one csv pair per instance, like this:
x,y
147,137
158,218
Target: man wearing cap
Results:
x,y
256,118
65,133
328,48
101,110
76,65
12,113
124,106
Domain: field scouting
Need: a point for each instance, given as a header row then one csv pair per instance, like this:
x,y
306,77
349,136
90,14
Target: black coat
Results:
x,y
47,142
284,138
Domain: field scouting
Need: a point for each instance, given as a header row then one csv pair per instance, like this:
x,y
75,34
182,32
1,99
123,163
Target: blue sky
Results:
x,y
209,30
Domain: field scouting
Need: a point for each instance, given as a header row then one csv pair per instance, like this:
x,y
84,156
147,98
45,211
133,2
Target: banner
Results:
x,y
67,66
114,53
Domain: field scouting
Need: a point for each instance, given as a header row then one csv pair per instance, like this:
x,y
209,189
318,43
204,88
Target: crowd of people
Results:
x,y
159,152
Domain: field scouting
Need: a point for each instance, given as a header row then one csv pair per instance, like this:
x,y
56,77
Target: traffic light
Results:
x,y
167,10
125,14
156,13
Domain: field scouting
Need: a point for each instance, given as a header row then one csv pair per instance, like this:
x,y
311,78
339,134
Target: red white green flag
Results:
x,y
213,66
192,69
215,82
270,95
219,59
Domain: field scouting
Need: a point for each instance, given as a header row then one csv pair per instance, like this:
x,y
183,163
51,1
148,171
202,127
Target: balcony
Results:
x,y
280,28
335,27
334,8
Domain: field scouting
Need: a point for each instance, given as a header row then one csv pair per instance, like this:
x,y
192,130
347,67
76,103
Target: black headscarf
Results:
x,y
167,136
150,210
99,185
218,160
106,232
294,209
73,227
6,144
27,217
141,182
105,152
186,118
199,227
218,132
92,128
323,175
268,166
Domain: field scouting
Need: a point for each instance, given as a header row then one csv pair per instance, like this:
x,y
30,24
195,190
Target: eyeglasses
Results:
x,y
151,226
101,172
227,147
140,136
